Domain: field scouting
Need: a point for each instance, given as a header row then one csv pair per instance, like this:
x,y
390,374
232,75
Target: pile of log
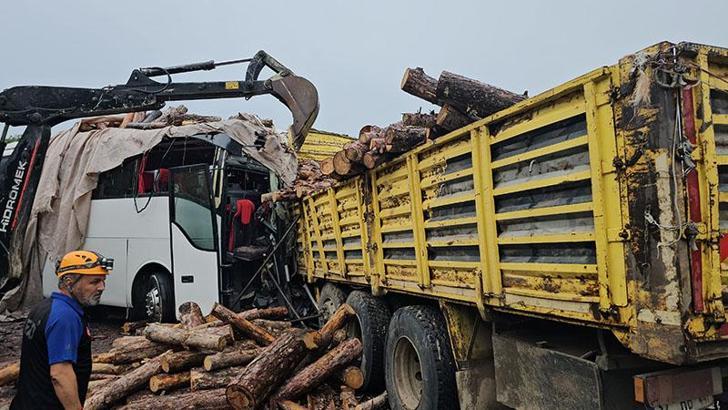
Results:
x,y
462,100
144,120
248,360
310,179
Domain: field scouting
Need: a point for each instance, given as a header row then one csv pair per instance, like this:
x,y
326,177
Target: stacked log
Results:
x,y
311,178
462,99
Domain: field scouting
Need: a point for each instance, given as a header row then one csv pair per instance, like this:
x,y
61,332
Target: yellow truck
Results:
x,y
562,253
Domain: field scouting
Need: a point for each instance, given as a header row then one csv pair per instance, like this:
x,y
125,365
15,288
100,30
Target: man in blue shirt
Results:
x,y
55,360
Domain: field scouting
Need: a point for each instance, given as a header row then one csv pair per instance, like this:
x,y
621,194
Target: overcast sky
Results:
x,y
355,52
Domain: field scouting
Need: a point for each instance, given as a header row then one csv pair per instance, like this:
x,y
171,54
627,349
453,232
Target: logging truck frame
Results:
x,y
566,250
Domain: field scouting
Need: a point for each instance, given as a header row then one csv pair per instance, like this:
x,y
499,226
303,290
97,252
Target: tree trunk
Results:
x,y
203,400
9,374
355,151
320,370
368,132
342,165
322,338
272,313
418,119
403,139
102,376
274,327
449,118
191,315
183,360
125,384
108,368
327,166
351,376
243,325
131,353
372,160
348,399
373,403
166,382
229,359
124,341
322,398
267,371
203,339
419,84
472,97
204,380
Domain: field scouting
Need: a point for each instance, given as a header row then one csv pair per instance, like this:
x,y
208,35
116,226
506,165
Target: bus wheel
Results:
x,y
419,367
330,298
370,326
159,298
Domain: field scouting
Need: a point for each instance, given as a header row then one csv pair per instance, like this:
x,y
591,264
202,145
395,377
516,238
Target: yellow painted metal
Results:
x,y
447,200
547,238
364,232
720,119
438,179
566,110
550,267
320,145
529,155
392,212
436,159
418,229
556,296
542,182
378,273
485,213
451,222
317,231
545,211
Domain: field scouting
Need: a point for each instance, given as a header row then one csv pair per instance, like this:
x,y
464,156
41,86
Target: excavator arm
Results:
x,y
41,107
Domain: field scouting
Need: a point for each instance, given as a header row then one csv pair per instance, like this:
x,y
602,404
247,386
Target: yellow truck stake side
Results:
x,y
601,202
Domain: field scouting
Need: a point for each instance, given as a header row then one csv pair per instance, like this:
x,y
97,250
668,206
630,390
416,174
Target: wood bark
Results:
x,y
342,165
230,359
291,405
191,315
339,336
200,339
243,325
166,382
274,327
419,119
372,160
204,400
9,374
419,84
183,360
108,368
267,371
368,132
125,384
373,403
348,399
321,398
131,353
204,380
272,313
472,97
322,338
124,341
350,376
320,370
404,138
102,376
327,166
449,118
131,327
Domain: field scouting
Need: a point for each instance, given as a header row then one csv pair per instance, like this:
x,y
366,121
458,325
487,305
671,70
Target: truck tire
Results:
x,y
370,326
330,298
420,370
158,298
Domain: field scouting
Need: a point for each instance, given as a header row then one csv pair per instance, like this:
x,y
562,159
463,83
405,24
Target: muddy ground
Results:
x,y
105,326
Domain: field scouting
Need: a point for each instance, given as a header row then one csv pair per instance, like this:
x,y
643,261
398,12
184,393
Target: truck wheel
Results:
x,y
370,326
330,298
420,371
159,298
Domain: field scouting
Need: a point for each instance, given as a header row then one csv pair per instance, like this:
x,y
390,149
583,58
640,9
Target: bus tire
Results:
x,y
419,367
158,298
370,326
330,298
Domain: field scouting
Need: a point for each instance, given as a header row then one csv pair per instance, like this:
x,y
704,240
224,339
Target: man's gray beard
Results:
x,y
93,300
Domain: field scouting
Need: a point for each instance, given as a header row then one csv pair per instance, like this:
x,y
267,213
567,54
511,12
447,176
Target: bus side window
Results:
x,y
119,182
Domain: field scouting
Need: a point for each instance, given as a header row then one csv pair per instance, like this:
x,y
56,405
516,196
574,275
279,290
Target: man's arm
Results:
x,y
64,383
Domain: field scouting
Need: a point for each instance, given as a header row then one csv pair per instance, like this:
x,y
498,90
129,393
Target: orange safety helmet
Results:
x,y
84,263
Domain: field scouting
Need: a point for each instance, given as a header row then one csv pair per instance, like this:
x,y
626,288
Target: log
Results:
x,y
449,118
229,359
204,399
114,369
276,312
131,327
322,398
291,405
204,380
322,338
419,84
131,353
274,327
355,150
200,339
267,371
183,360
125,384
242,325
327,166
418,119
213,339
372,160
339,336
404,138
95,385
102,376
368,132
471,97
166,382
127,119
190,315
342,165
373,403
320,370
9,374
348,399
125,341
351,376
